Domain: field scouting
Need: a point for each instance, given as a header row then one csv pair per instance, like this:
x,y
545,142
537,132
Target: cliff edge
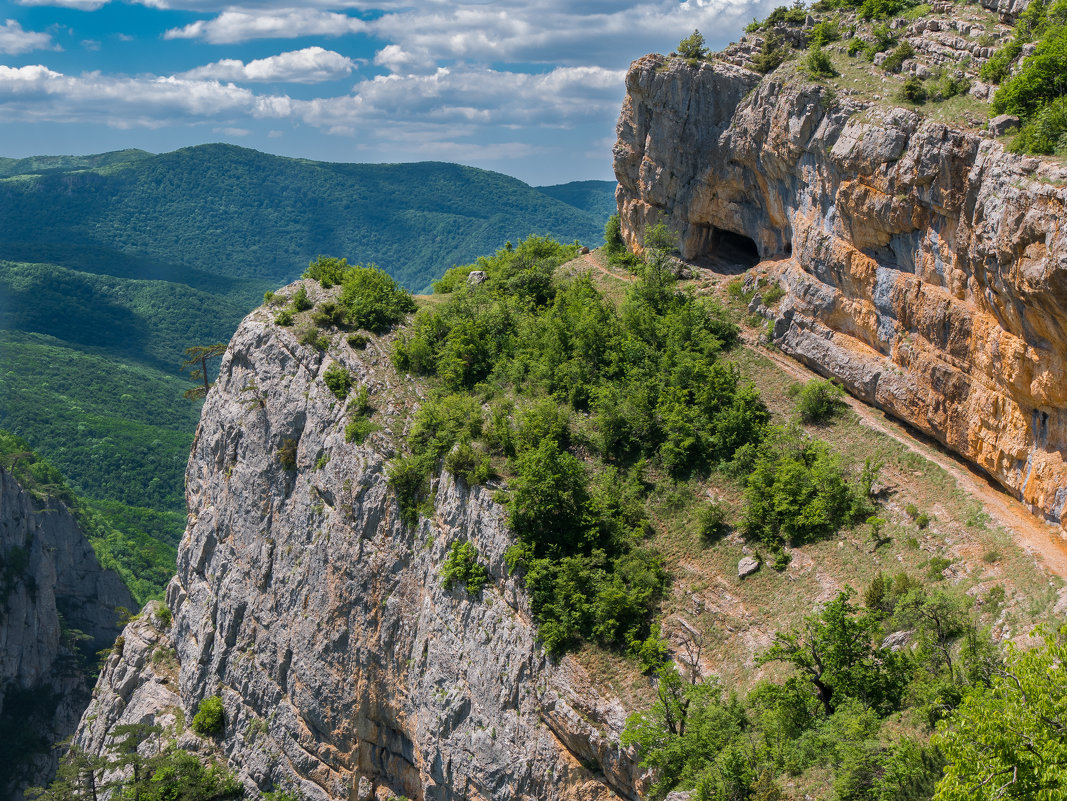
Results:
x,y
924,266
345,668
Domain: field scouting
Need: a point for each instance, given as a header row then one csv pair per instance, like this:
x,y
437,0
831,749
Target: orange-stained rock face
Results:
x,y
927,268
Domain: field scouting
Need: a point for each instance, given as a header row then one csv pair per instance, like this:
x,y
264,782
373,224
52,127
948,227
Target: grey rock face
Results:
x,y
925,267
57,609
319,616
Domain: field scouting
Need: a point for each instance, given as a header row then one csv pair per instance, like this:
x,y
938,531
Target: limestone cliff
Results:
x,y
305,602
925,267
58,607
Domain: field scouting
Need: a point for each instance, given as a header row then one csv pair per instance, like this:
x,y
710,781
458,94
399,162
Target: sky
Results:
x,y
531,88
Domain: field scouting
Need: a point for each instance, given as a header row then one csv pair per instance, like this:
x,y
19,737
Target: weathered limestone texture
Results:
x,y
58,607
319,616
925,267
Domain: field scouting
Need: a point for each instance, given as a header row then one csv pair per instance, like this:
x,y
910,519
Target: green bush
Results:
x,y
469,463
338,380
895,60
885,9
209,719
711,521
913,90
818,401
772,53
462,567
1045,132
287,454
373,300
358,341
773,294
300,301
284,318
782,15
823,33
311,337
798,492
327,270
818,63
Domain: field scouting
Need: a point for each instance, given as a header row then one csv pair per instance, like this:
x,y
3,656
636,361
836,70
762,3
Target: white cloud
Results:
x,y
14,40
310,65
81,5
37,93
240,25
233,131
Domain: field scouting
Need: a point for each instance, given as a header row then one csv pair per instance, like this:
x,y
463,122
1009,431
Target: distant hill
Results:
x,y
112,264
595,197
234,212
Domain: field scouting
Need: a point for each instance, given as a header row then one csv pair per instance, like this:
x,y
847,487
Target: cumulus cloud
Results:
x,y
240,25
37,93
14,40
310,65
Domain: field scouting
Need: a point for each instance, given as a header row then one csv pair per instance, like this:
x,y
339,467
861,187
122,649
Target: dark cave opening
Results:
x,y
732,248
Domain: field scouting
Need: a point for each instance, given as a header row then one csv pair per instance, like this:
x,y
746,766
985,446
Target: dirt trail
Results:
x,y
1035,535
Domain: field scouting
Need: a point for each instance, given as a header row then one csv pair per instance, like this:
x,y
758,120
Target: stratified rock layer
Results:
x,y
58,607
319,616
924,266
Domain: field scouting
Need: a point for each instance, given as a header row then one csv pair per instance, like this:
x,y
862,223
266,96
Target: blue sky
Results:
x,y
531,88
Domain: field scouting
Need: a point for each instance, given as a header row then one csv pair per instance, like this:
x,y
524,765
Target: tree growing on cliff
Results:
x,y
196,363
692,46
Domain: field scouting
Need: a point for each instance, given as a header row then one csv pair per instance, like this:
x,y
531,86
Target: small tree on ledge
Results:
x,y
196,364
692,46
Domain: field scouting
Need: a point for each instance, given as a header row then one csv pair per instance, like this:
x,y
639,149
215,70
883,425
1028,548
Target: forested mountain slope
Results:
x,y
112,264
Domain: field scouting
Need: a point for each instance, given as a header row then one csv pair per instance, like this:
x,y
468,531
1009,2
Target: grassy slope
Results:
x,y
735,619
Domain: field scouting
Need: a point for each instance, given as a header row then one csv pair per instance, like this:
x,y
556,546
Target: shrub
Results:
x,y
711,521
462,567
770,56
358,429
469,463
1046,132
209,718
923,520
913,90
339,380
818,63
300,301
284,317
373,300
692,46
856,45
894,62
884,9
327,270
824,32
793,15
818,401
358,341
613,241
164,615
287,454
328,313
311,337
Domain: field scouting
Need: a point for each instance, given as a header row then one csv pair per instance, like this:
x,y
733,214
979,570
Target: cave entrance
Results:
x,y
734,248
726,252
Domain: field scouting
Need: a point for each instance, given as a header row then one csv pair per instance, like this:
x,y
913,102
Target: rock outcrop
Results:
x,y
58,608
318,615
925,267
